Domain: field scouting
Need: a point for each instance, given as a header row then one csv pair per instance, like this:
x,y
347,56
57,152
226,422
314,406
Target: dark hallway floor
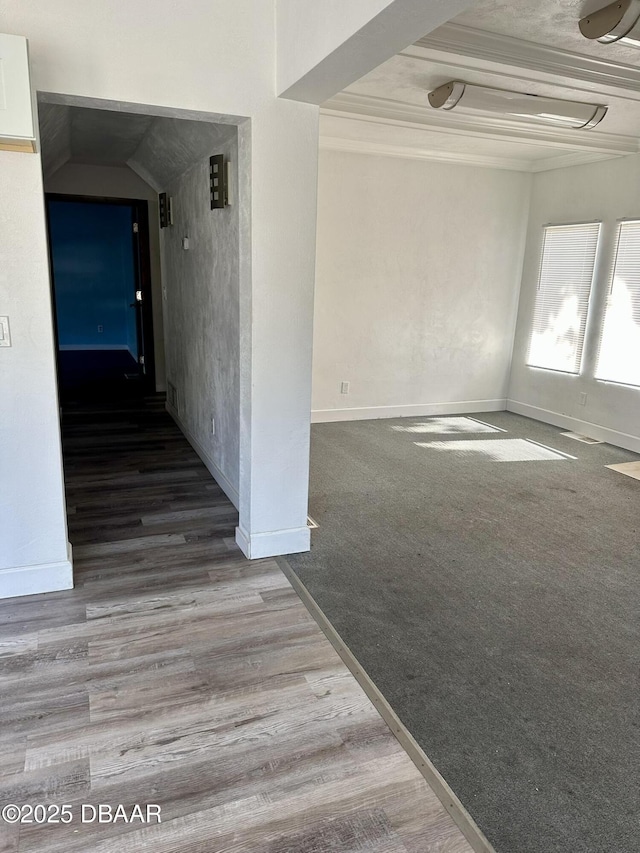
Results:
x,y
98,378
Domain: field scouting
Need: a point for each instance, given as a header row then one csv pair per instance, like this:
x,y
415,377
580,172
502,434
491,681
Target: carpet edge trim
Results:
x,y
451,803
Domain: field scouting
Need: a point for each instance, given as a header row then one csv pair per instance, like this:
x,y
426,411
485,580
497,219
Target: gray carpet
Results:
x,y
497,607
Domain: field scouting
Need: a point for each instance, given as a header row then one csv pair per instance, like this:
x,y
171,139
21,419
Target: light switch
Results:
x,y
5,334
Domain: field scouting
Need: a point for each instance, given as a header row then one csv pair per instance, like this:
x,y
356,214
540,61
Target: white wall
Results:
x,y
276,386
417,278
202,306
606,191
121,182
33,532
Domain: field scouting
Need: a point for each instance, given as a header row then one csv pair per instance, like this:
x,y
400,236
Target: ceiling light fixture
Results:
x,y
569,114
618,21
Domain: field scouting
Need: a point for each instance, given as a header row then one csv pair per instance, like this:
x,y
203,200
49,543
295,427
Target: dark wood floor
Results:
x,y
178,673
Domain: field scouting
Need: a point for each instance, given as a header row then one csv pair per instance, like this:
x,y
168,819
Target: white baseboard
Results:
x,y
273,544
33,580
227,487
611,436
465,407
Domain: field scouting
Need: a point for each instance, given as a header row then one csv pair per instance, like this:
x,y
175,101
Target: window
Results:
x,y
562,302
619,355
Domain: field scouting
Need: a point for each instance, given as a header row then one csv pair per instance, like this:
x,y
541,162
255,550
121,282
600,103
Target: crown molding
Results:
x,y
481,50
563,161
354,146
387,111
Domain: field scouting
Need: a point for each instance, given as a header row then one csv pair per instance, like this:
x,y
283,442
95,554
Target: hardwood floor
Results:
x,y
179,673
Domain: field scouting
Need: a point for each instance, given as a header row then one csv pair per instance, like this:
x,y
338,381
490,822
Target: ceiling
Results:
x,y
555,23
491,44
159,149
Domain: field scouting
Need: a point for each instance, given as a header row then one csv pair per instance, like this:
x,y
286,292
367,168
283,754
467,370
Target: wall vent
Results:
x,y
585,439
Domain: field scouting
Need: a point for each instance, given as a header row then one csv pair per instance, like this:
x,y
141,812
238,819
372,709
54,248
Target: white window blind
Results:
x,y
619,354
562,301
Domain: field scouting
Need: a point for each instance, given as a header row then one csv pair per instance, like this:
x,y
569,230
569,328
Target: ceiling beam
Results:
x,y
356,54
477,50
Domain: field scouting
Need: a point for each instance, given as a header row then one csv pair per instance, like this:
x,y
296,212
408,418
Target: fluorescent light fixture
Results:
x,y
618,21
571,114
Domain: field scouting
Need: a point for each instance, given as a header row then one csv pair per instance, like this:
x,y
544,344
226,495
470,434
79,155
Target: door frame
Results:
x,y
142,271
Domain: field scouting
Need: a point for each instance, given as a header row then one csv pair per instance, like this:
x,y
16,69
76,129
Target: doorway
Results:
x,y
100,273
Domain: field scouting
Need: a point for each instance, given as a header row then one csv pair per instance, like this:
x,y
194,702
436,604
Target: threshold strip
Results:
x,y
461,817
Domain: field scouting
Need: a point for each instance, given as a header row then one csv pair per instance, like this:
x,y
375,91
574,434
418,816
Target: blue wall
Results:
x,y
94,274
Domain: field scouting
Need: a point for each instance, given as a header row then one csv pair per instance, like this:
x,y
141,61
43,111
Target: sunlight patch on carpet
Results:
x,y
498,450
448,426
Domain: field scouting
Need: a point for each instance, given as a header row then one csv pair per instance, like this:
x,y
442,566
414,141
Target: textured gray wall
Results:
x,y
170,146
201,311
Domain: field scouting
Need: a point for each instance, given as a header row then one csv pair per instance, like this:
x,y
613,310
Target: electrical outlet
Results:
x,y
583,399
344,387
213,426
100,329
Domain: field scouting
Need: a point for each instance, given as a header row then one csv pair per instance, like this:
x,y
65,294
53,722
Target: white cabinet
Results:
x,y
17,131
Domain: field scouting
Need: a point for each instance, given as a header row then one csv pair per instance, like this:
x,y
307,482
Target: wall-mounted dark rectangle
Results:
x,y
217,181
164,206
